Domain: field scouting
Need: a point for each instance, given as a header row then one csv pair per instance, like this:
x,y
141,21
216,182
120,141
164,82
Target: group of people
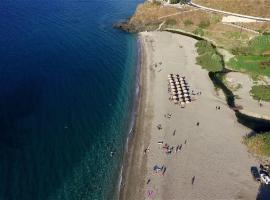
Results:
x,y
170,149
178,89
159,169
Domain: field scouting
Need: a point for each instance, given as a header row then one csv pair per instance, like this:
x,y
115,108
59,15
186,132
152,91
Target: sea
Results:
x,y
68,86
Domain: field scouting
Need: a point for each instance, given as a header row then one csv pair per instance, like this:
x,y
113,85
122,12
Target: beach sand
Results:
x,y
250,106
213,152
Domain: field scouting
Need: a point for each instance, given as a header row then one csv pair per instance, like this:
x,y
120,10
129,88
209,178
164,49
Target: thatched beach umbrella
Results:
x,y
185,95
182,81
182,103
175,101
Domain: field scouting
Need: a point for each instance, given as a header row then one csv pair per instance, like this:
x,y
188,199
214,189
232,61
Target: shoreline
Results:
x,y
135,163
133,136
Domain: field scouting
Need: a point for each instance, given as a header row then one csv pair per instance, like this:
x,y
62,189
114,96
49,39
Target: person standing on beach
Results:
x,y
192,180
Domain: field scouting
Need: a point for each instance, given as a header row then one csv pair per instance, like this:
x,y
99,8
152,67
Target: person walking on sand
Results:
x,y
164,170
192,180
198,123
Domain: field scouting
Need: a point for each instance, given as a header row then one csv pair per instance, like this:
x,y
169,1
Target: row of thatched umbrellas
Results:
x,y
179,89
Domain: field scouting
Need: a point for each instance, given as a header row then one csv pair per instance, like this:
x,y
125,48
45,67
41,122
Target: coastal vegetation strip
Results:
x,y
261,92
258,144
208,57
254,58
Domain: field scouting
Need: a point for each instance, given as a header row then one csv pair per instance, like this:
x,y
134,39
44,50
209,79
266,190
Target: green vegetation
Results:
x,y
259,45
188,22
198,31
254,58
259,144
175,1
216,18
261,92
255,65
208,57
171,22
204,24
178,1
155,2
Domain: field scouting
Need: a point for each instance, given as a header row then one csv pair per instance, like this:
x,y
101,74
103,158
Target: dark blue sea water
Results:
x,y
67,82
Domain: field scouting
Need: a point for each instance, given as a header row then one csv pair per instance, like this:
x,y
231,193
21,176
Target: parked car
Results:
x,y
255,173
264,177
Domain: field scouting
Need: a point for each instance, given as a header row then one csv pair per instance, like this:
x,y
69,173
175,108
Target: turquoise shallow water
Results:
x,y
67,84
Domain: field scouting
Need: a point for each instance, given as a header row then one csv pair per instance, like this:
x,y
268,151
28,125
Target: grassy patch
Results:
x,y
253,64
171,22
259,45
204,24
259,144
261,92
208,58
188,22
198,31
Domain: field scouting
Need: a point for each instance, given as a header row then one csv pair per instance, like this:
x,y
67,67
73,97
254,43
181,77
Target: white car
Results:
x,y
264,177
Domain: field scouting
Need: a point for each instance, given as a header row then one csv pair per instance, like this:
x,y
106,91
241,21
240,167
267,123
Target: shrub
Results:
x,y
198,31
174,1
204,24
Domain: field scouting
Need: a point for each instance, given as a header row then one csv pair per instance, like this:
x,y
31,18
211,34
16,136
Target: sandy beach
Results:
x,y
212,162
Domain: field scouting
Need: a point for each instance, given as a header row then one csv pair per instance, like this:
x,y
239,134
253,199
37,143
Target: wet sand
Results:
x,y
213,153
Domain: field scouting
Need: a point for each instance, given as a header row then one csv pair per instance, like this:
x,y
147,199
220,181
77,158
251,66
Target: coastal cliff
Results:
x,y
147,17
